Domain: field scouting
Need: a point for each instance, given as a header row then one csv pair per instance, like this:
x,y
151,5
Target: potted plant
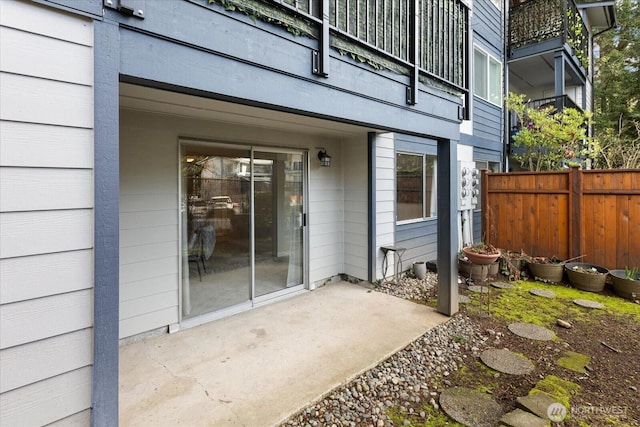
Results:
x,y
546,269
512,264
477,272
481,253
626,283
586,277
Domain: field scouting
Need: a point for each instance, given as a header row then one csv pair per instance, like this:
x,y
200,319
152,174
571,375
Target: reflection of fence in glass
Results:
x,y
415,186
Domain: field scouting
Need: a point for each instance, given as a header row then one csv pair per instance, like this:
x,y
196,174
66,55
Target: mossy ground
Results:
x,y
519,305
573,361
561,390
433,418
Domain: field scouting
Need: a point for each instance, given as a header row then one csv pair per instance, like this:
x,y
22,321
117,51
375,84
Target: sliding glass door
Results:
x,y
242,214
278,196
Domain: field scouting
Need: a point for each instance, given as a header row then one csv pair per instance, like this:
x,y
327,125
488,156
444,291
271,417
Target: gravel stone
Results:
x,y
409,376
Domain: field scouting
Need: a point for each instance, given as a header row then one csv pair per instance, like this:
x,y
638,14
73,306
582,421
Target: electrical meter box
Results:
x,y
468,185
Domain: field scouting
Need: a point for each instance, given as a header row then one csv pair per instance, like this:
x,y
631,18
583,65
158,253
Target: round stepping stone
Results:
x,y
588,303
531,331
463,299
507,362
479,289
470,407
502,285
543,293
520,418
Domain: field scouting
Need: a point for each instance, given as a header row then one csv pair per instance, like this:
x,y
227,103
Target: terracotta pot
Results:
x,y
592,282
480,259
626,288
547,272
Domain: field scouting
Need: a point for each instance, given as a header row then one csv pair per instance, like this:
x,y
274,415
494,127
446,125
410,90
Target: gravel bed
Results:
x,y
407,380
411,288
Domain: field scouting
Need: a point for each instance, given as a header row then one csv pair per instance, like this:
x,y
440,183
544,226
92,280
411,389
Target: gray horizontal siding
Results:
x,y
420,239
487,120
488,25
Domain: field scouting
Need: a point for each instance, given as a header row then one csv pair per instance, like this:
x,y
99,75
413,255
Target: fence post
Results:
x,y
576,229
486,220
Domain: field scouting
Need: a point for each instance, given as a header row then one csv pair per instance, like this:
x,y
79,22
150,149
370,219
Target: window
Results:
x,y
416,183
487,77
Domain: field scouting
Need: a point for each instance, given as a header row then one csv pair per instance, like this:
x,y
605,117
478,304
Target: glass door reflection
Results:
x,y
215,227
278,230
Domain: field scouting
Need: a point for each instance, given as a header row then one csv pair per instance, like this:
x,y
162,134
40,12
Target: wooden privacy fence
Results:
x,y
595,213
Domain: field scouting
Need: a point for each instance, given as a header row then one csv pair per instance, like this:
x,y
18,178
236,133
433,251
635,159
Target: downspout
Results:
x,y
505,82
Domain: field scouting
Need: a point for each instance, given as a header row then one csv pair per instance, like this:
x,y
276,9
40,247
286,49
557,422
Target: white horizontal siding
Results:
x,y
326,218
385,196
27,321
29,233
148,269
29,189
39,360
148,321
42,20
152,303
80,419
47,401
37,276
142,288
46,215
24,53
30,99
47,146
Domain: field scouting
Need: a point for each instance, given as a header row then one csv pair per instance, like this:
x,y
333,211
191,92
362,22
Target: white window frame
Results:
x,y
490,58
426,216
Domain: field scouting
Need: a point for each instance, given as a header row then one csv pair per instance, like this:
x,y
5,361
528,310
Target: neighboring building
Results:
x,y
550,52
167,163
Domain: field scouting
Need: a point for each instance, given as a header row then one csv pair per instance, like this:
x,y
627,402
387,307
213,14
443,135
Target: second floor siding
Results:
x,y
487,120
487,24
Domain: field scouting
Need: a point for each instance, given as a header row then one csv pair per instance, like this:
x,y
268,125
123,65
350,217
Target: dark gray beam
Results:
x,y
447,228
106,225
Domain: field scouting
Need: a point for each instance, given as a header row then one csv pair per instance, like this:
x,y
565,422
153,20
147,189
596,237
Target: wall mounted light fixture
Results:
x,y
325,159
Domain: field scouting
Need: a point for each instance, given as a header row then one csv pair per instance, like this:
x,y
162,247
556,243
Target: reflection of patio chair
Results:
x,y
201,246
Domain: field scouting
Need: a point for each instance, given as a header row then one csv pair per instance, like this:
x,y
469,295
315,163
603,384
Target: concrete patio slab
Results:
x,y
259,367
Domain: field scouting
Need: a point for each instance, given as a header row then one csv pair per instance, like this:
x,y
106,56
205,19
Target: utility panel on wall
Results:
x,y
469,185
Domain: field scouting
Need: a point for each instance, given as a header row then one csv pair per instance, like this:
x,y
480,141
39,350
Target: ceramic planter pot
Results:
x,y
626,288
494,269
586,277
480,259
420,269
547,272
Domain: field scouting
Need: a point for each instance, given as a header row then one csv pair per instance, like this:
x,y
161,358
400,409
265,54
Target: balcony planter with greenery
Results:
x,y
586,277
626,283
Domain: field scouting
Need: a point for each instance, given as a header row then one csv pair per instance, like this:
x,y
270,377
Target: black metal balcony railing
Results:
x,y
534,21
429,34
557,102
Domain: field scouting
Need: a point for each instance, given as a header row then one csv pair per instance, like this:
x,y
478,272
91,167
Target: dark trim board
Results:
x,y
106,226
371,227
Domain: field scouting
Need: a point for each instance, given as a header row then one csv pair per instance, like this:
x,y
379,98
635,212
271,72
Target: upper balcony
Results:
x,y
424,39
541,26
